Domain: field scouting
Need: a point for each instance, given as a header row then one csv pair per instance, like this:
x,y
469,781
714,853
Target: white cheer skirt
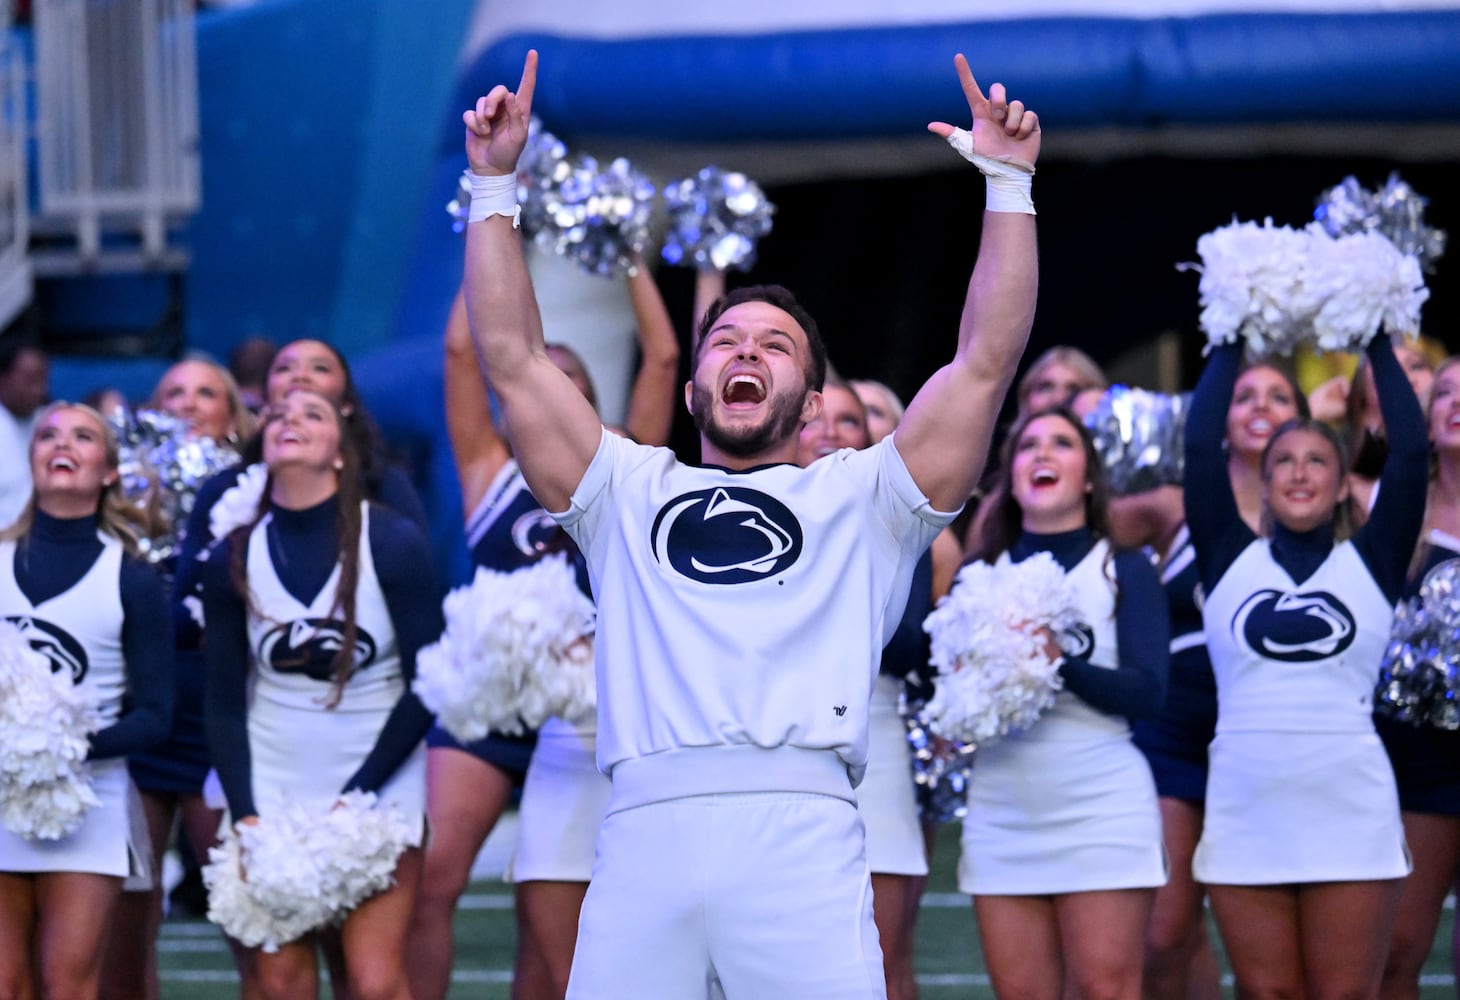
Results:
x,y
1058,816
886,797
564,800
1300,807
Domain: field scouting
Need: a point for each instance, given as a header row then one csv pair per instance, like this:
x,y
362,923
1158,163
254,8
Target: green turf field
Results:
x,y
196,965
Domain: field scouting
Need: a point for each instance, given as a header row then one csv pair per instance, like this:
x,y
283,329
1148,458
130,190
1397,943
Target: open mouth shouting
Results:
x,y
743,390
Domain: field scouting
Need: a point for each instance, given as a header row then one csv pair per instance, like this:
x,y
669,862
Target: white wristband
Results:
x,y
1009,181
495,195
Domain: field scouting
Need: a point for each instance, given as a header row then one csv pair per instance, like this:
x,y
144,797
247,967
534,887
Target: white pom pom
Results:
x,y
239,504
45,786
1279,287
988,644
517,649
301,869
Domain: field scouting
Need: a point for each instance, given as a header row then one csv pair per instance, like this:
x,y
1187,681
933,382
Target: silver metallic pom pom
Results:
x,y
1139,436
597,218
161,464
716,219
940,767
1394,211
1419,680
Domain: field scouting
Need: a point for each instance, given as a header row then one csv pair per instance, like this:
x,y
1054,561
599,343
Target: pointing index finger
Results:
x,y
971,88
529,82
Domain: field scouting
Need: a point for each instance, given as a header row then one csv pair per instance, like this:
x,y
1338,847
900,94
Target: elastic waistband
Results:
x,y
677,774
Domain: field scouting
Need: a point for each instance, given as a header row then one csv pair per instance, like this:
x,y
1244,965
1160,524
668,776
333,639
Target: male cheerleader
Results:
x,y
743,603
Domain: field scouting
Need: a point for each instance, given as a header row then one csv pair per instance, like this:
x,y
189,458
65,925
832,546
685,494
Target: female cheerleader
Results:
x,y
1180,963
170,776
1062,842
69,580
1426,760
330,597
470,785
1301,848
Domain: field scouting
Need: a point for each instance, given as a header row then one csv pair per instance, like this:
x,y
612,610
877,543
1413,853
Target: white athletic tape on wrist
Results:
x,y
1010,182
493,196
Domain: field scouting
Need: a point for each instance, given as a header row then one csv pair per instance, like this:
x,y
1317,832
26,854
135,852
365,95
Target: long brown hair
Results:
x,y
349,497
115,515
1005,520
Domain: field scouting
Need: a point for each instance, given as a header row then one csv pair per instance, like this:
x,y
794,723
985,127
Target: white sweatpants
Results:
x,y
753,896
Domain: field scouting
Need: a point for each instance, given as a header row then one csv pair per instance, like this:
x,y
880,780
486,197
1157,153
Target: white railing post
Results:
x,y
117,124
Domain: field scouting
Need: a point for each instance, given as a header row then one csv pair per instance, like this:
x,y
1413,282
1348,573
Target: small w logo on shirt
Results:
x,y
840,710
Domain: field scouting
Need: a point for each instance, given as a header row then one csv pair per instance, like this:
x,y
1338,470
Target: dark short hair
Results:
x,y
783,300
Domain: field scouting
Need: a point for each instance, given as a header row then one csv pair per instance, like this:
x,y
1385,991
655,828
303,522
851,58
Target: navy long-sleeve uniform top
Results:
x,y
1136,688
396,492
1385,543
304,548
51,560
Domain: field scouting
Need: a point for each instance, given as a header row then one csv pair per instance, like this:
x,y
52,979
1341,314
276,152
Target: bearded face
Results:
x,y
779,419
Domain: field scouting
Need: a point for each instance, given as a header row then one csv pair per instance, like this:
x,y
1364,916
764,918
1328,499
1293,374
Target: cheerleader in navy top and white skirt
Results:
x,y
69,582
1062,842
1426,759
1302,848
332,610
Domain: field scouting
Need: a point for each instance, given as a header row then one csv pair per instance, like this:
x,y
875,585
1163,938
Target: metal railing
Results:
x,y
117,132
16,287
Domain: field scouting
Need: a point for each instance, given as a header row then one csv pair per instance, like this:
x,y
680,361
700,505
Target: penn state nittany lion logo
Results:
x,y
536,533
1077,641
55,643
1295,628
309,645
727,534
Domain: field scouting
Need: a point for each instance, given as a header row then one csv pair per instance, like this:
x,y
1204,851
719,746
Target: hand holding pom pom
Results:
x,y
45,788
517,649
994,647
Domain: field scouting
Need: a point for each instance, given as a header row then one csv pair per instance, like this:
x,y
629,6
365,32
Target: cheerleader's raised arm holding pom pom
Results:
x,y
72,587
1296,622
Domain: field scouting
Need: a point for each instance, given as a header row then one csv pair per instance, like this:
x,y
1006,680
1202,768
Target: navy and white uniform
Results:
x,y
564,795
507,531
1426,759
1296,625
741,620
100,616
282,738
887,797
1068,805
1175,742
181,763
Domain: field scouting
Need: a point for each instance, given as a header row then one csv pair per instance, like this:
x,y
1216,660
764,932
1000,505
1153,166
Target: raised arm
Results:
x,y
656,386
944,438
1387,539
480,452
1218,532
553,430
